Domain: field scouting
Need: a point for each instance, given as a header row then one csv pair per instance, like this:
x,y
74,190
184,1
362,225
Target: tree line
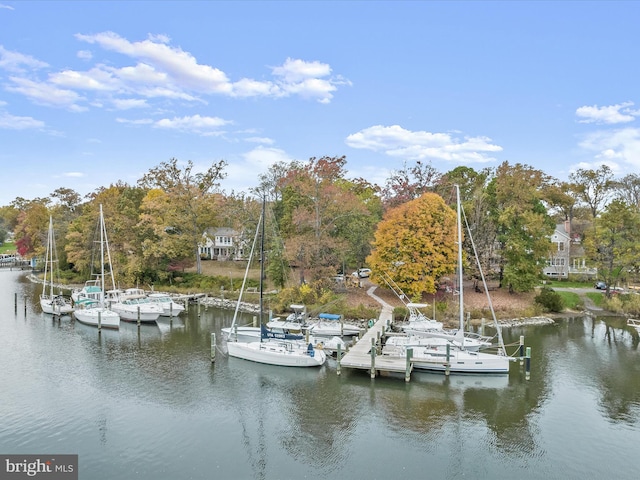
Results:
x,y
323,222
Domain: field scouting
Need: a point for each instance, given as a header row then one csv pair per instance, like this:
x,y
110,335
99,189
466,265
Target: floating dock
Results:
x,y
360,355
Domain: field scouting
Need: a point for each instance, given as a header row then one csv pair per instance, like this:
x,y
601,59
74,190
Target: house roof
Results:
x,y
221,232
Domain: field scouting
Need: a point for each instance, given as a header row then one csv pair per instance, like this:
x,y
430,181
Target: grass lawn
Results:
x,y
8,247
570,300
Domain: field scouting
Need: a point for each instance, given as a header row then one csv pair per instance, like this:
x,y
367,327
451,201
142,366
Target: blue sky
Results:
x,y
95,92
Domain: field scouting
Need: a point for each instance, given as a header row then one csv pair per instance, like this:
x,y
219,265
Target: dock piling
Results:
x,y
213,347
407,373
527,367
339,358
447,371
373,357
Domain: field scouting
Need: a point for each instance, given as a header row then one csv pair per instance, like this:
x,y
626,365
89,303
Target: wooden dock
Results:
x,y
360,356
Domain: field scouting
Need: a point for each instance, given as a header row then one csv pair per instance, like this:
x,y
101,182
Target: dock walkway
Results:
x,y
359,355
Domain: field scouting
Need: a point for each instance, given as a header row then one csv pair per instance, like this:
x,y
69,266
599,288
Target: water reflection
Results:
x,y
127,400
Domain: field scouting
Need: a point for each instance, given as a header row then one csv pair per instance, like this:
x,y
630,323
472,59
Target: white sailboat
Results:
x,y
93,311
453,356
50,302
268,348
421,328
170,308
133,305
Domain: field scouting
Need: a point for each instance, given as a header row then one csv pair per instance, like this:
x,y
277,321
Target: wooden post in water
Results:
x,y
521,349
138,316
447,369
255,321
25,305
373,357
482,326
99,320
527,364
213,347
16,302
198,307
339,358
407,372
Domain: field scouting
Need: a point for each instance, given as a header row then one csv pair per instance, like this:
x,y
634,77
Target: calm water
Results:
x,y
150,405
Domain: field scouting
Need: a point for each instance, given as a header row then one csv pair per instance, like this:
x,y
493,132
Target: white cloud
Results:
x,y
611,114
84,55
46,94
17,62
6,7
11,122
195,124
619,149
73,174
141,121
263,157
395,141
161,71
129,103
262,140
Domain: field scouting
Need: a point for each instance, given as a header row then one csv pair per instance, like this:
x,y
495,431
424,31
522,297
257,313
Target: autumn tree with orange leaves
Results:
x,y
415,245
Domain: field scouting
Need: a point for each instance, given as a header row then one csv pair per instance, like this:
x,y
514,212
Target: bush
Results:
x,y
549,300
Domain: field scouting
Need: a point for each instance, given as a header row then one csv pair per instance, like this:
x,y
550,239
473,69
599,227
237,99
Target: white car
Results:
x,y
362,273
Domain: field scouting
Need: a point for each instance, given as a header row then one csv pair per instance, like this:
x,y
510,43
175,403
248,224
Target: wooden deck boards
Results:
x,y
359,355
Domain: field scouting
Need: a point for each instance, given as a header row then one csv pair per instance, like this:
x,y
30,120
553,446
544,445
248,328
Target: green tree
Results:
x,y
415,245
613,246
317,209
523,226
593,187
189,196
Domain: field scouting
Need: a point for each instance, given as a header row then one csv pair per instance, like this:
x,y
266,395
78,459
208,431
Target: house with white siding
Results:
x,y
222,243
568,257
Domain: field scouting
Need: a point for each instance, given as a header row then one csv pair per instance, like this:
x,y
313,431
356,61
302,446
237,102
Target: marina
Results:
x,y
147,402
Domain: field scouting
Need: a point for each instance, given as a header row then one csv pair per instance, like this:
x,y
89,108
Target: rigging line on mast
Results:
x,y
484,283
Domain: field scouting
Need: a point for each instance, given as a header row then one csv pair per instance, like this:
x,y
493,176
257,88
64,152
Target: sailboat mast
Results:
x,y
460,279
262,261
101,255
47,261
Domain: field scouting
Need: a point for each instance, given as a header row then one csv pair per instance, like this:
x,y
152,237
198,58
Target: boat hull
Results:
x,y
283,354
132,315
55,306
460,361
169,307
95,317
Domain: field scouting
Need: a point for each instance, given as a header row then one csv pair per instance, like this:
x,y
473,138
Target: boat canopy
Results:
x,y
329,316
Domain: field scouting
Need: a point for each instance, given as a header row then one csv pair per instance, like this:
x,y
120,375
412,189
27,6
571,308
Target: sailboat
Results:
x,y
421,330
50,302
270,349
94,311
452,356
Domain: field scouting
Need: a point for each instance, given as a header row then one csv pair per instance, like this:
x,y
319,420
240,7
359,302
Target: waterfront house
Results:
x,y
221,243
568,257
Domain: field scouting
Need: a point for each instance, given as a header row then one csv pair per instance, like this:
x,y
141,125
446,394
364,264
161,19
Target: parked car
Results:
x,y
362,273
600,286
